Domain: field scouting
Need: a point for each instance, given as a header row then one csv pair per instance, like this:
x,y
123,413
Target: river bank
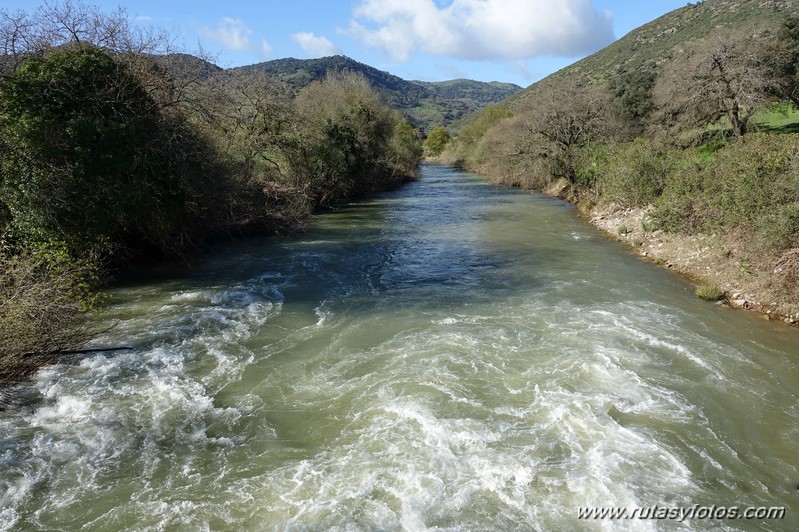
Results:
x,y
747,280
447,355
714,260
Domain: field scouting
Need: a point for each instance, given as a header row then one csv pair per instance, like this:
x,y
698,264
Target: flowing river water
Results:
x,y
448,356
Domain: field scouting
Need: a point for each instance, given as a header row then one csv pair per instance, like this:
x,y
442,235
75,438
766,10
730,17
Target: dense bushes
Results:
x,y
107,155
436,141
91,162
45,301
468,147
346,143
751,185
635,174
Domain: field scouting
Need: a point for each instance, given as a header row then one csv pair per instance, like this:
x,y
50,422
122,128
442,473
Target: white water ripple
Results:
x,y
469,359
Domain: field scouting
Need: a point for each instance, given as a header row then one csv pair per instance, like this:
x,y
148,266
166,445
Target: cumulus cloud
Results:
x,y
316,46
482,29
233,34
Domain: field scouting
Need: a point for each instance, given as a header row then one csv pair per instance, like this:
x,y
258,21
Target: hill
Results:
x,y
426,104
189,65
652,45
679,139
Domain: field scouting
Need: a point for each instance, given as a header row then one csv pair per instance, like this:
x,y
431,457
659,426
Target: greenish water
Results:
x,y
448,356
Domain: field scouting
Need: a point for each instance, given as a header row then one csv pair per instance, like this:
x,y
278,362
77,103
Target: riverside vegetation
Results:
x,y
115,150
677,138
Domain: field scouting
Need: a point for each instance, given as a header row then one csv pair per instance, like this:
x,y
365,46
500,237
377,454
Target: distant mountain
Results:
x,y
426,104
189,64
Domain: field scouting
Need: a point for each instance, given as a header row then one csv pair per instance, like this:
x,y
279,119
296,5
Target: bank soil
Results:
x,y
749,278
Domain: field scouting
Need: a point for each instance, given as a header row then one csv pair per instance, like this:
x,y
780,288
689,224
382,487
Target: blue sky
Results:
x,y
518,41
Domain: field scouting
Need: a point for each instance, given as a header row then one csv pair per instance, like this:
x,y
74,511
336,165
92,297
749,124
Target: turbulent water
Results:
x,y
448,356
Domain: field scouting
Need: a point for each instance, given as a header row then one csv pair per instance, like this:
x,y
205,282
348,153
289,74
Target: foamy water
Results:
x,y
450,356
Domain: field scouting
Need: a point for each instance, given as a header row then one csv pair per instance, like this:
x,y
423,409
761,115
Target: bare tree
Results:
x,y
560,121
253,115
168,75
55,24
731,75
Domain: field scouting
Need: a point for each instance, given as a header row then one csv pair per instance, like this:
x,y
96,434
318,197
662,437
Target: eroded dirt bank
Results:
x,y
758,282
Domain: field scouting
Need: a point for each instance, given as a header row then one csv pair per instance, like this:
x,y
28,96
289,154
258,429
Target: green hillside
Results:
x,y
426,104
682,130
652,45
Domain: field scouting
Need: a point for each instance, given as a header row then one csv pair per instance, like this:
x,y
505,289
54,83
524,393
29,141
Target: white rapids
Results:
x,y
448,356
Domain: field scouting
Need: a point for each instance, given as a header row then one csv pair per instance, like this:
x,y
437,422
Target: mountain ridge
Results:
x,y
652,45
426,104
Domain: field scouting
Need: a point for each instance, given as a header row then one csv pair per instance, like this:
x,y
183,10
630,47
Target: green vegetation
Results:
x,y
425,105
709,292
751,185
436,141
692,116
472,136
780,118
634,174
124,152
91,160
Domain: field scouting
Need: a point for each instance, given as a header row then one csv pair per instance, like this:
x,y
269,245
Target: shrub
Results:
x,y
94,161
750,184
348,140
780,228
47,300
635,174
709,292
436,141
467,147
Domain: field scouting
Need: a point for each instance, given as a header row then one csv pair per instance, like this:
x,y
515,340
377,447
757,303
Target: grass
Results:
x,y
709,292
779,118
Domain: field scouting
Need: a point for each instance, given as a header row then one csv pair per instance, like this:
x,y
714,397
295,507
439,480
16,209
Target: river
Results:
x,y
448,356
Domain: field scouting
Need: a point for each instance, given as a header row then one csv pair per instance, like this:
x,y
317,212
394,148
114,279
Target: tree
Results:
x,y
632,92
91,160
345,143
250,117
55,24
75,123
559,122
406,150
731,75
436,141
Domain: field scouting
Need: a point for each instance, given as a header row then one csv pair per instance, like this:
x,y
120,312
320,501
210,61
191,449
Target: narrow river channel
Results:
x,y
448,356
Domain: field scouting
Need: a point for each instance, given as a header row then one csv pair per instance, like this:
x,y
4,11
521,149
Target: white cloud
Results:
x,y
482,29
316,46
266,48
233,34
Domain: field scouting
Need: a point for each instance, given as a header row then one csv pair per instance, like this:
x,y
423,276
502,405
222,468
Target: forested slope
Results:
x,y
690,122
115,150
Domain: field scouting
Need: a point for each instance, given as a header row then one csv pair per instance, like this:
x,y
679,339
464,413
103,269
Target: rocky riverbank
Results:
x,y
758,282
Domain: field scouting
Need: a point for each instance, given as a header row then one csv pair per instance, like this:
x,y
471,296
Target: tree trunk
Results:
x,y
738,123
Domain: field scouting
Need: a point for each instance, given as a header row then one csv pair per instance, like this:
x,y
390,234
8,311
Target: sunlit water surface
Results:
x,y
448,356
